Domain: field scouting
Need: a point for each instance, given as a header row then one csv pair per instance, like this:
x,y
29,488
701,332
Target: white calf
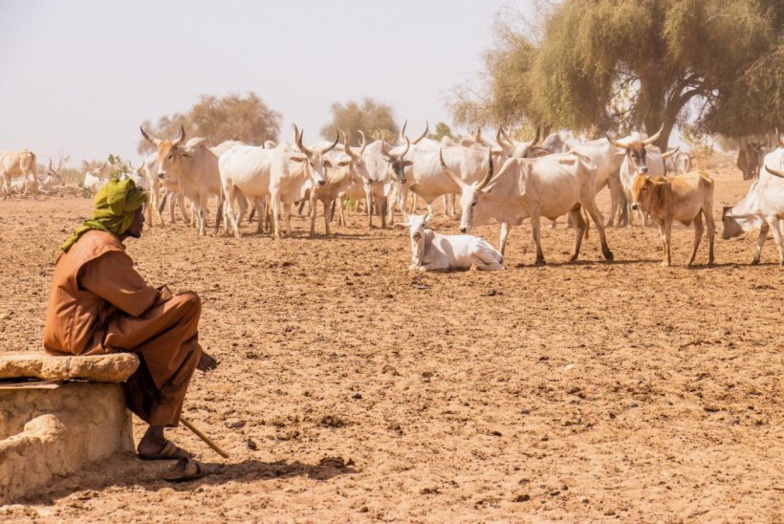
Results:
x,y
431,251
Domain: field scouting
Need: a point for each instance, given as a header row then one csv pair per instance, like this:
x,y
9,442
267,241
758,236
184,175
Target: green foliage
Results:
x,y
615,65
441,131
375,119
233,117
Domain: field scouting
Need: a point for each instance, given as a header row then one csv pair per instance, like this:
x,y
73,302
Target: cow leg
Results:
x,y
313,210
665,228
275,201
505,227
711,235
230,216
536,227
774,228
328,204
761,238
579,230
287,216
698,230
598,219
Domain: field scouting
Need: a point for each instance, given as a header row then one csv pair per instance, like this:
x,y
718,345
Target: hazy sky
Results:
x,y
78,77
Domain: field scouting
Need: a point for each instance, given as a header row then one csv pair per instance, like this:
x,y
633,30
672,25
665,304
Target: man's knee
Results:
x,y
190,301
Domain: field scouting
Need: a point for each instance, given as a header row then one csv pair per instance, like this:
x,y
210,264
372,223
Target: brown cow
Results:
x,y
680,197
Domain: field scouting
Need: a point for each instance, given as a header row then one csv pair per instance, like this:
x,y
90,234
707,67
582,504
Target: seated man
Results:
x,y
99,304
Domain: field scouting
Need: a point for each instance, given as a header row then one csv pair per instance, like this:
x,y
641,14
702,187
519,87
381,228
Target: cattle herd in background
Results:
x,y
508,181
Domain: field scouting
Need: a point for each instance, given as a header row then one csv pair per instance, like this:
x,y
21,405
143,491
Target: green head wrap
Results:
x,y
115,205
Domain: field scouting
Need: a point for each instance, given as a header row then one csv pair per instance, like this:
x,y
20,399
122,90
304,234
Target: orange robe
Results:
x,y
100,304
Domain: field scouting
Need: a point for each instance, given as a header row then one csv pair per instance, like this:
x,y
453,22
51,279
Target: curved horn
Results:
x,y
130,166
50,165
536,138
489,174
330,148
616,143
408,146
150,138
778,136
364,142
346,146
403,131
650,140
774,172
503,133
671,152
423,135
179,139
298,136
456,179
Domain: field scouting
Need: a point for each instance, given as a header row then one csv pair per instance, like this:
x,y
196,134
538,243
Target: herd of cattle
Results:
x,y
533,179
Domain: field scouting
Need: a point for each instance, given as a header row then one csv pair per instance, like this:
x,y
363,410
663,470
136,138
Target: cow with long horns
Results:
x,y
641,157
283,173
549,186
194,167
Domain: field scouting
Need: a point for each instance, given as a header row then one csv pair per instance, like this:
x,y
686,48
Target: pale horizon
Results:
x,y
78,78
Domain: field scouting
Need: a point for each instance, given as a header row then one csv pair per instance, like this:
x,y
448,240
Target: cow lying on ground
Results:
x,y
431,251
684,198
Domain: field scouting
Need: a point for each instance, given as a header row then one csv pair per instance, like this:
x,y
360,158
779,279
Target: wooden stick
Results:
x,y
204,437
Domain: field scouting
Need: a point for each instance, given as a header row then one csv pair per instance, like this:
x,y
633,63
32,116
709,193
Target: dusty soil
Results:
x,y
351,389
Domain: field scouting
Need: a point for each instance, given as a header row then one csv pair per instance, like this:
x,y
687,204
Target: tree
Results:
x,y
614,65
441,131
371,117
232,117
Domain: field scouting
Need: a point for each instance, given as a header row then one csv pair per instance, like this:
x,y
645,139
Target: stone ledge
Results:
x,y
114,367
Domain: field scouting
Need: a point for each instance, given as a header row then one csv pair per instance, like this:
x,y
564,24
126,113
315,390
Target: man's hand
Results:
x,y
206,362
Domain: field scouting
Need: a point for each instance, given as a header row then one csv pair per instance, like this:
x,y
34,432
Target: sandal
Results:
x,y
170,451
186,469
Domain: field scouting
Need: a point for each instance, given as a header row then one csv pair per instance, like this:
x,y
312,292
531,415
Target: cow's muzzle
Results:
x,y
644,170
463,229
635,207
161,175
321,182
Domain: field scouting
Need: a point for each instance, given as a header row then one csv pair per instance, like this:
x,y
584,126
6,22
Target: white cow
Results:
x,y
762,207
548,186
97,177
195,167
19,164
52,181
282,173
341,169
376,185
639,157
431,251
424,176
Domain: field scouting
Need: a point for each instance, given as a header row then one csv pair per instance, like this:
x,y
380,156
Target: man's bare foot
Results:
x,y
206,362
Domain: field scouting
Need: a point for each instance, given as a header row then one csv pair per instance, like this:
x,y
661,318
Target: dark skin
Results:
x,y
154,440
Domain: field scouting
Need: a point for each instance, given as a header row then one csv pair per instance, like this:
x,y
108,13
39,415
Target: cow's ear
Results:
x,y
408,163
299,158
620,153
344,163
327,163
186,154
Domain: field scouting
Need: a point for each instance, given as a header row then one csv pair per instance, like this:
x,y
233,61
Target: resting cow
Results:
x,y
431,251
684,198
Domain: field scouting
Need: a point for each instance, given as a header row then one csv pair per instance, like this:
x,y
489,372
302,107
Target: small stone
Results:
x,y
251,445
357,396
711,409
522,497
492,293
236,424
569,367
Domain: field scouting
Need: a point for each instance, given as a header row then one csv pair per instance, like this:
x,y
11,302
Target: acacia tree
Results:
x,y
233,117
621,64
371,117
